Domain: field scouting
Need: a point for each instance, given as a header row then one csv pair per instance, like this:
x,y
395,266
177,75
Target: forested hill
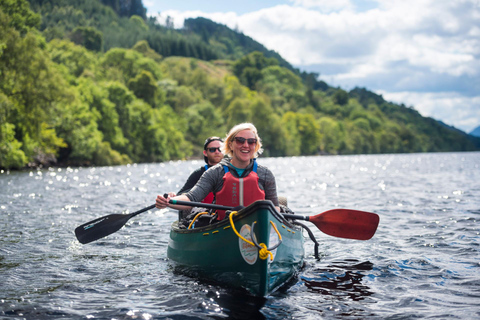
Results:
x,y
93,82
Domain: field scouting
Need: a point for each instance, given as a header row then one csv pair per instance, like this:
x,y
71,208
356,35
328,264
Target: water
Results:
x,y
423,262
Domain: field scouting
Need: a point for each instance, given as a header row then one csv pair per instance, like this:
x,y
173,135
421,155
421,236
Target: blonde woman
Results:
x,y
242,145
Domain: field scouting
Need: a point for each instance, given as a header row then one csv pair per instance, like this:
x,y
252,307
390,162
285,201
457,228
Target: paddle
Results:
x,y
104,226
343,223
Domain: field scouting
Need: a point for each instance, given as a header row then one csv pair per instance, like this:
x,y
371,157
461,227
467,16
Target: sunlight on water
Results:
x,y
422,262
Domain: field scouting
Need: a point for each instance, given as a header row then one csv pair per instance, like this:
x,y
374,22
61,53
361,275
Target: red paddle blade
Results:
x,y
346,223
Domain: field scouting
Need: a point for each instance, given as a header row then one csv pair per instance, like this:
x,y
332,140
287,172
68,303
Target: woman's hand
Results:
x,y
161,202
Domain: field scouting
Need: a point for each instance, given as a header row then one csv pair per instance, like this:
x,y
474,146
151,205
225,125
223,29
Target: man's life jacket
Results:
x,y
239,191
209,198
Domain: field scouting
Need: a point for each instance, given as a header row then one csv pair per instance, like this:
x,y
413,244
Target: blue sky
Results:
x,y
423,53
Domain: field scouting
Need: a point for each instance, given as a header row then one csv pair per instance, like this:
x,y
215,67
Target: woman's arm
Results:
x,y
206,184
161,202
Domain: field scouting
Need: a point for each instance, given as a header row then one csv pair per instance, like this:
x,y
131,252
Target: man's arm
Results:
x,y
192,180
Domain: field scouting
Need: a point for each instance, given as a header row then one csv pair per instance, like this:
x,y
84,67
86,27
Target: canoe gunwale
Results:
x,y
240,215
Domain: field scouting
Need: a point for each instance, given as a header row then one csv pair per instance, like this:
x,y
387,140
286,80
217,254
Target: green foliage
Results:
x,y
143,47
340,97
76,58
89,37
139,23
249,68
127,7
304,133
284,88
181,97
270,128
97,97
79,127
238,111
31,84
21,17
144,87
125,64
11,154
202,121
332,135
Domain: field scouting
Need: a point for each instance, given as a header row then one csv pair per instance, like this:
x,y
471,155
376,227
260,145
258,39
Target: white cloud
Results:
x,y
453,108
324,5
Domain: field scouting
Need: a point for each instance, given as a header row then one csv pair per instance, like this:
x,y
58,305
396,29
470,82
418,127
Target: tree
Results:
x,y
238,111
11,154
21,18
75,58
144,87
303,131
96,96
269,127
331,135
248,69
340,97
89,37
203,121
31,86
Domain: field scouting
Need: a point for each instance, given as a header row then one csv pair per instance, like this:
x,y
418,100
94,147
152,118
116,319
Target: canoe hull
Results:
x,y
216,252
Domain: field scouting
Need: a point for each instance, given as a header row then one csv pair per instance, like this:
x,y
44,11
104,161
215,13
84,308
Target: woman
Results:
x,y
238,170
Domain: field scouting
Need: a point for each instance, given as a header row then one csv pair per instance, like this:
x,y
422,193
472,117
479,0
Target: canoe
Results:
x,y
227,253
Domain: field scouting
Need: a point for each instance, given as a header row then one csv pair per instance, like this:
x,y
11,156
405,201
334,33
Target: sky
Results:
x,y
422,53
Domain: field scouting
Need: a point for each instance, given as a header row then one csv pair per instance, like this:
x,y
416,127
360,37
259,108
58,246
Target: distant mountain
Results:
x,y
475,132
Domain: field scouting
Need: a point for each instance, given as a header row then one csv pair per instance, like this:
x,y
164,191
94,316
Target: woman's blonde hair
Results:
x,y
233,133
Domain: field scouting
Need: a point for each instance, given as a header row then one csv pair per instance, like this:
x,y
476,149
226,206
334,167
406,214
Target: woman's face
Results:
x,y
243,151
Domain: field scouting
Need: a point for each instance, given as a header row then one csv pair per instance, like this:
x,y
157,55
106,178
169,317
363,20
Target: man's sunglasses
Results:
x,y
212,150
241,140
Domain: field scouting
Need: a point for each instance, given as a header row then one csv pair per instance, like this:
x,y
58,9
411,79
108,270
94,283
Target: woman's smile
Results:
x,y
243,152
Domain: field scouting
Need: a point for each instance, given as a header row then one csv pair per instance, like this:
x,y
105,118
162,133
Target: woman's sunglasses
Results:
x,y
241,140
212,150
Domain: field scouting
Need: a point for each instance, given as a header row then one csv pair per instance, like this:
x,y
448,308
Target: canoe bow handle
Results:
x,y
259,246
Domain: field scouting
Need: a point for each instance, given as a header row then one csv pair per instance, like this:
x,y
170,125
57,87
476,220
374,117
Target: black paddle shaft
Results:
x,y
204,205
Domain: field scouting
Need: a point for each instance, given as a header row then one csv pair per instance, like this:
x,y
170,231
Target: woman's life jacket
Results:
x,y
239,191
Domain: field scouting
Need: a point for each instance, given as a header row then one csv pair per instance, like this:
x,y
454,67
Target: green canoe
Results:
x,y
218,252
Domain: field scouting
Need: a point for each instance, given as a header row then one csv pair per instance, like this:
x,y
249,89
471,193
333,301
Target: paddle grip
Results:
x,y
296,217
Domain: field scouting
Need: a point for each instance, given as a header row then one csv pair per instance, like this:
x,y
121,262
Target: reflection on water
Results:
x,y
422,262
239,305
339,279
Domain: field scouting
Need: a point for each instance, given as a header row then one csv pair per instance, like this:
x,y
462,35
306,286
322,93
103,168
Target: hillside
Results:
x,y
84,83
475,132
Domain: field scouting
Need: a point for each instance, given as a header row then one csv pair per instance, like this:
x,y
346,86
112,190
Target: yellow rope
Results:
x,y
235,230
263,252
198,215
276,230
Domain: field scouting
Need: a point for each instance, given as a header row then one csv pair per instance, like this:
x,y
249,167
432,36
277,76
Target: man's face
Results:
x,y
213,153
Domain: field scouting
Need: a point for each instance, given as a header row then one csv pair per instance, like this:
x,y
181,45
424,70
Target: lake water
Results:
x,y
423,262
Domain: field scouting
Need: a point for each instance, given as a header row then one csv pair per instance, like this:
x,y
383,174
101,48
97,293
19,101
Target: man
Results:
x,y
212,155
